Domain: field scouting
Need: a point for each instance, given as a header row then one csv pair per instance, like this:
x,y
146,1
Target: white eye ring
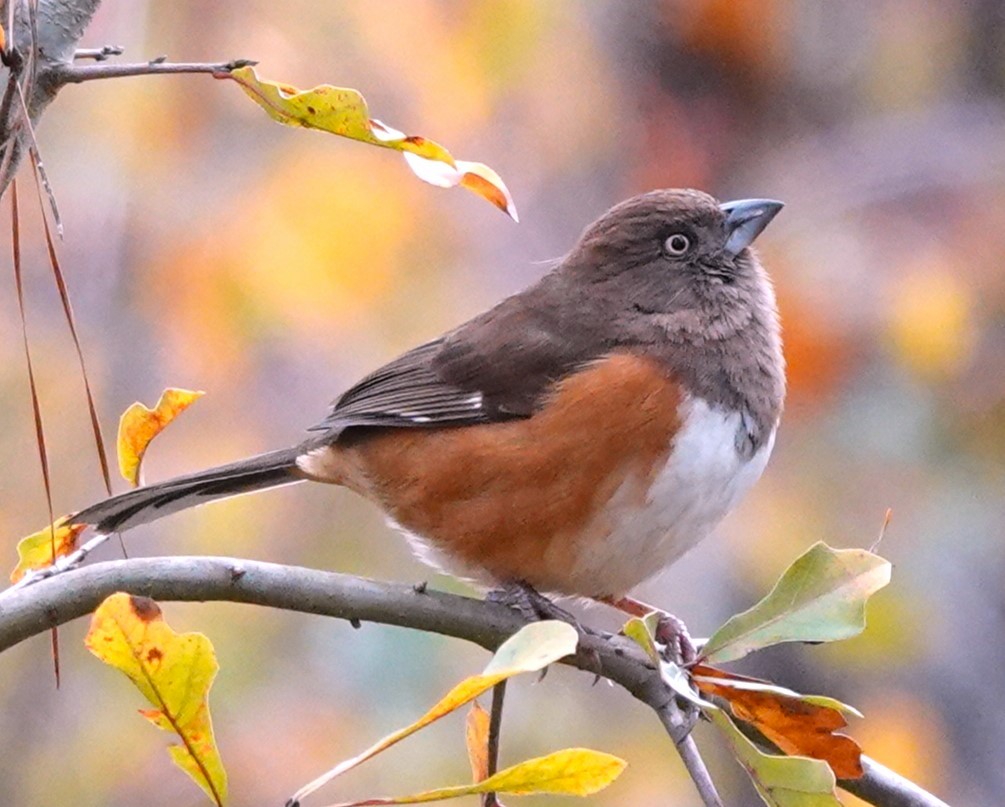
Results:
x,y
677,244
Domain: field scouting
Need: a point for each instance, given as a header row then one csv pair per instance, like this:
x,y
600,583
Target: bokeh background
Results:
x,y
207,247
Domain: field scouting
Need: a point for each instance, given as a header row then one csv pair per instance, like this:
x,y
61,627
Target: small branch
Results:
x,y
880,785
679,725
495,729
99,54
695,765
48,603
63,74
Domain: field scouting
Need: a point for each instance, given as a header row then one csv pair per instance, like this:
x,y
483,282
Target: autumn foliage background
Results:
x,y
207,247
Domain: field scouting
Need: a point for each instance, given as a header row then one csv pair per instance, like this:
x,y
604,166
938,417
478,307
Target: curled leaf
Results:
x,y
173,671
476,739
821,597
343,111
139,425
799,725
35,551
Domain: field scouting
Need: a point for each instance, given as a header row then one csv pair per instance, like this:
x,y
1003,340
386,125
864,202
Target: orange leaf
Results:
x,y
798,726
174,671
476,737
139,425
36,550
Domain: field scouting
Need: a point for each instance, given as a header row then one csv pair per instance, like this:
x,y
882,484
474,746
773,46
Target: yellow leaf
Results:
x,y
173,672
343,111
476,738
139,425
571,772
531,648
36,550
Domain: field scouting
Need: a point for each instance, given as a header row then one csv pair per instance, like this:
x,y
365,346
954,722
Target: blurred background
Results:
x,y
207,247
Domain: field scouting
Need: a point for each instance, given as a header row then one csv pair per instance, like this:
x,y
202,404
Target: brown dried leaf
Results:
x,y
798,725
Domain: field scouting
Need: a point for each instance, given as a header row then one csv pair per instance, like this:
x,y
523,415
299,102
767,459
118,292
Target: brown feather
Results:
x,y
511,499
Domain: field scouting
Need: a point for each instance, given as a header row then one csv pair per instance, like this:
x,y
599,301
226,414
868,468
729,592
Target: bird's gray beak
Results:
x,y
745,219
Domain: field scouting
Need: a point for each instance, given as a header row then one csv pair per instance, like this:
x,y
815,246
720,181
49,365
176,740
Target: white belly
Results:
x,y
703,479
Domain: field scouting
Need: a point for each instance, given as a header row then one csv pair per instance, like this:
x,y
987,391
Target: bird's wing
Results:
x,y
406,392
499,366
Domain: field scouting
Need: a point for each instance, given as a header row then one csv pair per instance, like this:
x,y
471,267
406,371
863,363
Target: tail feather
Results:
x,y
151,502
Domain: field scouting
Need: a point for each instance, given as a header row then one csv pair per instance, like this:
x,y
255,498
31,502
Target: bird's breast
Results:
x,y
704,475
615,476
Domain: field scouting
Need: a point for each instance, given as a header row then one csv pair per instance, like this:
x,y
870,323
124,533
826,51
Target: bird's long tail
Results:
x,y
151,502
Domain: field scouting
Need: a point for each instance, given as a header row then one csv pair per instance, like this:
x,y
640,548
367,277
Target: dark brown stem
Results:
x,y
495,729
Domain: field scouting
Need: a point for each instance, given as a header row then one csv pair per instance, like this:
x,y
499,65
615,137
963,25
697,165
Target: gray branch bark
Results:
x,y
48,603
38,46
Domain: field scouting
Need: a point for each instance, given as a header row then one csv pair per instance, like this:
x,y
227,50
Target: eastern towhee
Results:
x,y
576,438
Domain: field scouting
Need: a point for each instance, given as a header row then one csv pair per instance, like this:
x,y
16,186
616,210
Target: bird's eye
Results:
x,y
677,244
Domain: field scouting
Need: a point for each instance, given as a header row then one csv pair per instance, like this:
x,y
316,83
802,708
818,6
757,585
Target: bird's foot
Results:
x,y
531,604
670,631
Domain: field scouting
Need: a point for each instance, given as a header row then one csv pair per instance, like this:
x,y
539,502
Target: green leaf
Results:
x,y
641,631
780,781
820,598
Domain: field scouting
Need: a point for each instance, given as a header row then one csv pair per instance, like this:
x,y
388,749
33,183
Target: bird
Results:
x,y
576,438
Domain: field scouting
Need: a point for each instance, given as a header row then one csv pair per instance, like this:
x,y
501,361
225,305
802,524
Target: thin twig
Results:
x,y
492,751
99,54
679,725
79,73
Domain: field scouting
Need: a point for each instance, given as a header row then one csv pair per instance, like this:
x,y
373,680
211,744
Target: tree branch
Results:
x,y
37,43
64,74
35,609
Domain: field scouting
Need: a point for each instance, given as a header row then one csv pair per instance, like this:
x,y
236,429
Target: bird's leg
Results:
x,y
671,632
530,603
533,606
